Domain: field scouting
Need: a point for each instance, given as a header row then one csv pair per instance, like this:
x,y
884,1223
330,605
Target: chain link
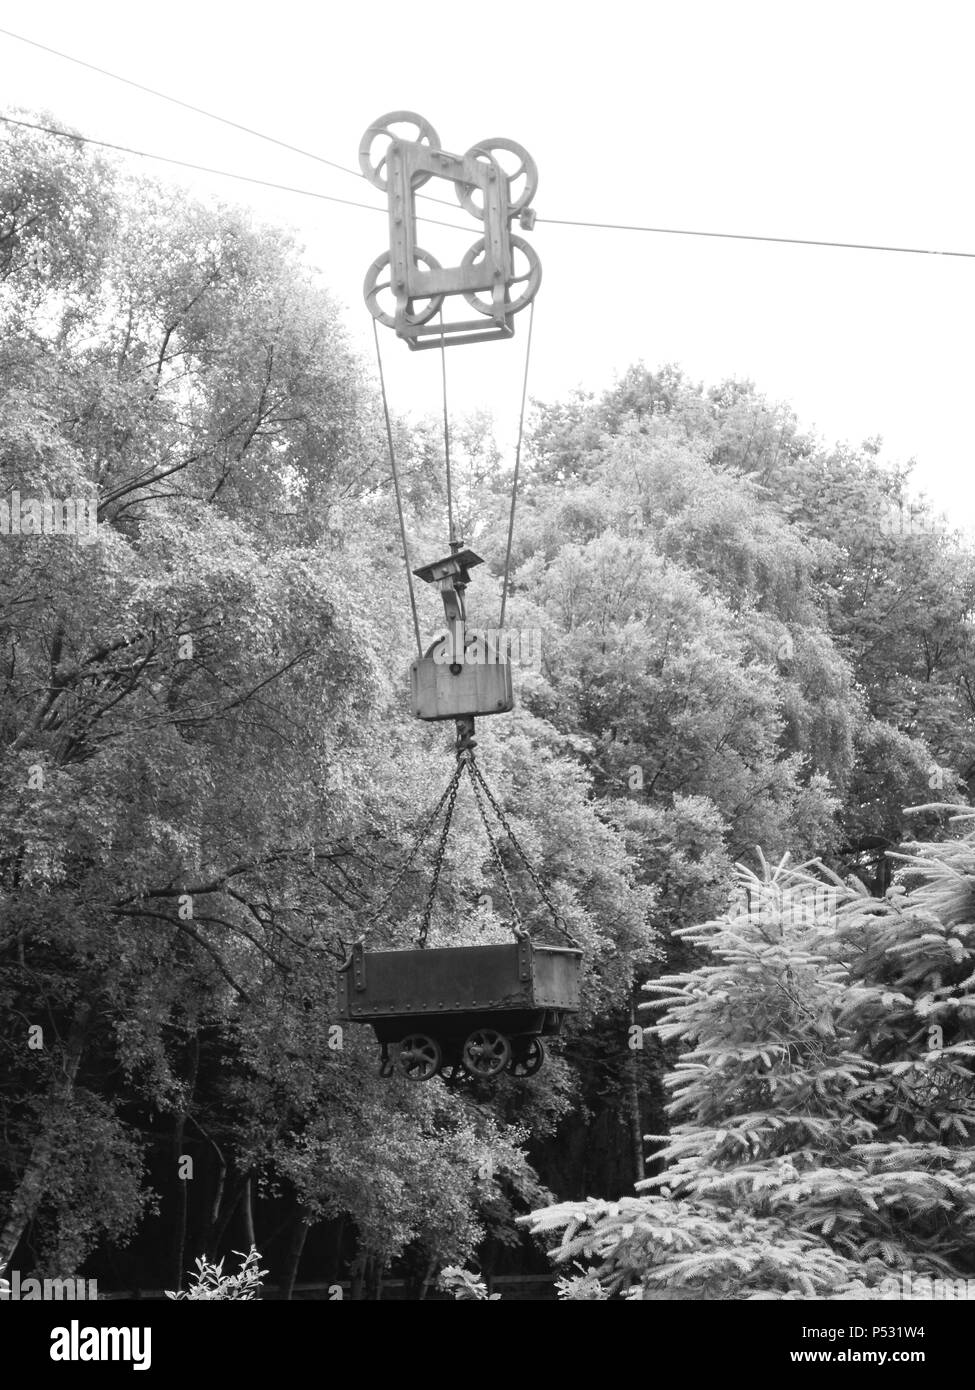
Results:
x,y
451,797
421,836
517,926
477,777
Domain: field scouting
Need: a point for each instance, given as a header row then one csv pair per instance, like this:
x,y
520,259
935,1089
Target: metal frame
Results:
x,y
487,267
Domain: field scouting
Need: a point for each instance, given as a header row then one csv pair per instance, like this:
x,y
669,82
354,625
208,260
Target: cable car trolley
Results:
x,y
472,1011
500,273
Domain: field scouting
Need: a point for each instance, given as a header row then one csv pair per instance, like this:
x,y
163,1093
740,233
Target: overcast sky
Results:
x,y
842,121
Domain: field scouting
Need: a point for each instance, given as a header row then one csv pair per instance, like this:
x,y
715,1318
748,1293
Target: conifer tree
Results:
x,y
822,1102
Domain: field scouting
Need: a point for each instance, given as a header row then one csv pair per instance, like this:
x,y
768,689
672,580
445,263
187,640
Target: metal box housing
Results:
x,y
436,692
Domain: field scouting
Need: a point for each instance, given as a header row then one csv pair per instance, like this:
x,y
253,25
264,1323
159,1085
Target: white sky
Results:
x,y
846,121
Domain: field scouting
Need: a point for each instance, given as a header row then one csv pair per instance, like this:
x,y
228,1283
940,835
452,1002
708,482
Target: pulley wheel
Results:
x,y
372,161
418,1056
528,1059
486,1052
520,171
528,275
379,282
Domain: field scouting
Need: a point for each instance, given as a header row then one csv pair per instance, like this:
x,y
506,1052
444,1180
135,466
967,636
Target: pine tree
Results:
x,y
823,1104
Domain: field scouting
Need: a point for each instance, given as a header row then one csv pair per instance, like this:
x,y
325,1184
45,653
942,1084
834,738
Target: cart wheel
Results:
x,y
486,1053
528,1059
419,1056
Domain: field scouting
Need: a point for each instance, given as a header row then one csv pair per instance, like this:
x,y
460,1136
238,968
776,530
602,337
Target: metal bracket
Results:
x,y
456,567
452,576
465,742
359,966
475,688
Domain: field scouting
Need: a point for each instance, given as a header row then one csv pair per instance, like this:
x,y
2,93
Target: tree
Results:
x,y
823,1097
197,813
178,694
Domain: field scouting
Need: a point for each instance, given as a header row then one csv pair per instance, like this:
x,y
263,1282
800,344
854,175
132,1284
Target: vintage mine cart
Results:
x,y
461,1009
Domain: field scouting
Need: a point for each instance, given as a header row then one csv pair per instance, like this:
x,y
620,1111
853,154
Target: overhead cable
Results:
x,y
549,221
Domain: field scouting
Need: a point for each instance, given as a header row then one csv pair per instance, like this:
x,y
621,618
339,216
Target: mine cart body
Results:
x,y
517,991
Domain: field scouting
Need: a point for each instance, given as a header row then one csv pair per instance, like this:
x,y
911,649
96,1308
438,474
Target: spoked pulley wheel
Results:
x,y
528,1058
418,1056
486,1052
527,275
516,165
374,145
381,297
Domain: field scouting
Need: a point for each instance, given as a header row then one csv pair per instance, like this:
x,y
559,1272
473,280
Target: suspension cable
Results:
x,y
399,500
446,435
514,484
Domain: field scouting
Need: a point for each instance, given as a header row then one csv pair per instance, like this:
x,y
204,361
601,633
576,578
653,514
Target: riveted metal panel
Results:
x,y
445,981
556,977
476,689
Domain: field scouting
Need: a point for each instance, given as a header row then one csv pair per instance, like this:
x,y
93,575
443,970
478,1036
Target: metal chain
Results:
x,y
517,926
451,797
451,787
477,775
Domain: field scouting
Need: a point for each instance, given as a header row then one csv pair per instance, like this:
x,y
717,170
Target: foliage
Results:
x,y
822,1105
210,1282
464,1285
198,817
583,1287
